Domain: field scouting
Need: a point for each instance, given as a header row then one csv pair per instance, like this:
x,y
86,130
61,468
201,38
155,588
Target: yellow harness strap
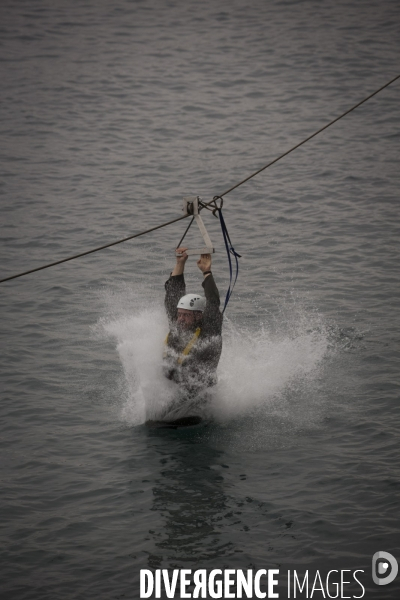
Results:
x,y
188,348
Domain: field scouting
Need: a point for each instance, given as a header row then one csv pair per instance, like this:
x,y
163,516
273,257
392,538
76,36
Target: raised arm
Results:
x,y
175,287
212,316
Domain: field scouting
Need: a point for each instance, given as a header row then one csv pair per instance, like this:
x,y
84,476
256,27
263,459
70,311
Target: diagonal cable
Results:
x,y
309,137
131,237
63,260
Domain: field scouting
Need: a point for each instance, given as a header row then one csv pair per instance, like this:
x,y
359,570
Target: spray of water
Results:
x,y
258,368
139,343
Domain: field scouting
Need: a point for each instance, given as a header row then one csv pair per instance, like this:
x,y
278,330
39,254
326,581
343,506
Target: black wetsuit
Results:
x,y
198,369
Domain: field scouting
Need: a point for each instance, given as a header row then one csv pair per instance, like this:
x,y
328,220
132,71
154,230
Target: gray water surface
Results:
x,y
111,112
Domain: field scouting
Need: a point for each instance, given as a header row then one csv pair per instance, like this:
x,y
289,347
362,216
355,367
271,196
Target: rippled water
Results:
x,y
110,114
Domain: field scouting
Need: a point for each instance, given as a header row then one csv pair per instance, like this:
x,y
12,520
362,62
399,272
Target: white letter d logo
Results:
x,y
380,566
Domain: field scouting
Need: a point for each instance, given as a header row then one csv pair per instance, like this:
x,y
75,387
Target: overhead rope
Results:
x,y
131,237
309,137
63,260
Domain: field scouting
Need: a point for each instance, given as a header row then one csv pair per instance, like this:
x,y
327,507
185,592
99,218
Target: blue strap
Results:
x,y
230,250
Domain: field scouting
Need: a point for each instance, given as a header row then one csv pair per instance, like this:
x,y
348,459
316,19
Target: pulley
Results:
x,y
191,207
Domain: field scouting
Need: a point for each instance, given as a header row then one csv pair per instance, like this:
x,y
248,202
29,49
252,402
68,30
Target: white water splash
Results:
x,y
256,366
140,340
255,369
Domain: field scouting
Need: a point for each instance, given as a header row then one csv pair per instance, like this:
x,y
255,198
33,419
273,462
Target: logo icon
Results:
x,y
385,564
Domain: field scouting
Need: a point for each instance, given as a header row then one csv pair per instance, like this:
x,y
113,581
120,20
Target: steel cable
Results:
x,y
131,237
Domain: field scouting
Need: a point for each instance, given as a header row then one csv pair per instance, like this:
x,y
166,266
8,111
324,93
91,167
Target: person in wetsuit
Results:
x,y
194,343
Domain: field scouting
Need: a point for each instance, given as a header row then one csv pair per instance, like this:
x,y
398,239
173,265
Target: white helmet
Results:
x,y
192,302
